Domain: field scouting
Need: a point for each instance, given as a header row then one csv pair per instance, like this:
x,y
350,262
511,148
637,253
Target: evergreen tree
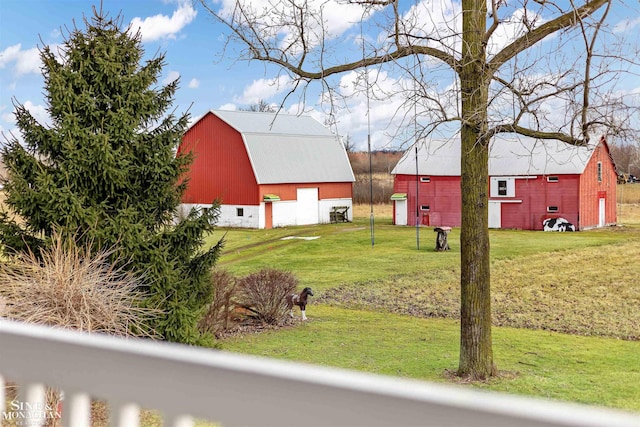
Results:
x,y
106,170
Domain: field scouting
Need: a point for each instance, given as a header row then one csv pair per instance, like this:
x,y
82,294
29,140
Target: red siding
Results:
x,y
575,196
326,190
441,194
221,168
536,196
591,189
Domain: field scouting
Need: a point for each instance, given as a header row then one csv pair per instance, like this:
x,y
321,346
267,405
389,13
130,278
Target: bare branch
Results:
x,y
524,42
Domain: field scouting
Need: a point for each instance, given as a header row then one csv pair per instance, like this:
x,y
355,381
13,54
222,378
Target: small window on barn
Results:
x,y
239,211
552,209
553,179
424,207
502,187
425,179
599,171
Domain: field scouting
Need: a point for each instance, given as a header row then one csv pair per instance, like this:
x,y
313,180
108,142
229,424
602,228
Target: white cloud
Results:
x,y
626,25
228,107
39,112
24,61
194,84
263,89
8,117
323,20
171,77
162,26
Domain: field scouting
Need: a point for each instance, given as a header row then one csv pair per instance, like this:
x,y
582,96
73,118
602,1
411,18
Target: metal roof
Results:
x,y
509,155
272,123
290,149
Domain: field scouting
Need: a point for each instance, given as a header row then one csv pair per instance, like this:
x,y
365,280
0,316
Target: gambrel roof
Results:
x,y
509,155
285,148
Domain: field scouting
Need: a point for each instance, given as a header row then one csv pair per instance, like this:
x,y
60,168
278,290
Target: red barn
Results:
x,y
530,180
268,170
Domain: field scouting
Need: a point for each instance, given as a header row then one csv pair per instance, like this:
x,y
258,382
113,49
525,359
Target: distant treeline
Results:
x,y
377,186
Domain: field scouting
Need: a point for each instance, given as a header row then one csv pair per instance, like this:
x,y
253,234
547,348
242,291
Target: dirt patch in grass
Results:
x,y
589,291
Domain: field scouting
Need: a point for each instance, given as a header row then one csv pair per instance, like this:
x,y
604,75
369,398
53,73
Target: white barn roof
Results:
x,y
509,155
290,149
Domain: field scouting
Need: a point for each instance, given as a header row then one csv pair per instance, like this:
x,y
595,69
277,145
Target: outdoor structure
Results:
x,y
266,169
529,181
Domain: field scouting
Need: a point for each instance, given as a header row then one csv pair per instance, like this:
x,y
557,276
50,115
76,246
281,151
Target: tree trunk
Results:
x,y
476,354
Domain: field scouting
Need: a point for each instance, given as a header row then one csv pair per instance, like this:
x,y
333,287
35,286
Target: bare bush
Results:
x,y
263,294
71,287
216,319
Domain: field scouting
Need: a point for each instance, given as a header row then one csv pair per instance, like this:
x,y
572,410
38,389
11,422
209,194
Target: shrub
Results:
x,y
70,287
108,167
216,318
264,293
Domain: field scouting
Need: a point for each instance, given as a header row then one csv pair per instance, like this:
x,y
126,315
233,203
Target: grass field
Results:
x,y
565,305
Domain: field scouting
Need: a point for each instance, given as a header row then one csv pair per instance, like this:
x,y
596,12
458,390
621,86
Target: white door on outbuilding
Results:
x,y
307,206
495,214
401,212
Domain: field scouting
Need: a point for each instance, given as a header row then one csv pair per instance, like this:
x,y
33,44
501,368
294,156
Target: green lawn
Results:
x,y
598,371
392,309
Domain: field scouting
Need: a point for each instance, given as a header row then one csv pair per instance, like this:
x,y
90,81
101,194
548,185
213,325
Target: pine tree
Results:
x,y
106,171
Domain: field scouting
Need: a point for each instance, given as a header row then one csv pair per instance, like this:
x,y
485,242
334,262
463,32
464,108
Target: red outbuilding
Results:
x,y
268,170
530,181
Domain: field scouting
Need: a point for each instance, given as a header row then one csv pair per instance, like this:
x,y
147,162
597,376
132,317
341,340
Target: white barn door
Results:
x,y
602,212
495,214
307,206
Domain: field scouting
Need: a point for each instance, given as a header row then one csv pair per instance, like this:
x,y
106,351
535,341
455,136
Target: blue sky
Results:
x,y
193,43
188,36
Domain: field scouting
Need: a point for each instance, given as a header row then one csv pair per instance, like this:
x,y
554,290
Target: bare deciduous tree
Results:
x,y
533,67
261,106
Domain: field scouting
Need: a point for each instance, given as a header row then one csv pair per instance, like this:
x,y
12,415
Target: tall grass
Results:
x,y
71,287
628,193
377,188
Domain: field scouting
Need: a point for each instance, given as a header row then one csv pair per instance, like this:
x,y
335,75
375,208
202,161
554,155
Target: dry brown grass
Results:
x,y
590,290
543,292
628,193
384,210
73,288
629,214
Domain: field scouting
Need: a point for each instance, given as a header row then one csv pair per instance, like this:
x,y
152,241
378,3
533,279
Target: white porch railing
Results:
x,y
184,382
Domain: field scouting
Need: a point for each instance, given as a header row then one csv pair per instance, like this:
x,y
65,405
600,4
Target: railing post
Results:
x,y
35,396
124,414
179,421
77,410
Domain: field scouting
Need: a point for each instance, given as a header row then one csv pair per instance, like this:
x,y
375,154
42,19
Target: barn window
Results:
x,y
425,179
502,187
552,209
239,211
599,171
553,179
424,207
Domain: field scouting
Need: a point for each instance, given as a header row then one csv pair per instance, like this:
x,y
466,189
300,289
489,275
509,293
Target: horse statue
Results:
x,y
300,300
